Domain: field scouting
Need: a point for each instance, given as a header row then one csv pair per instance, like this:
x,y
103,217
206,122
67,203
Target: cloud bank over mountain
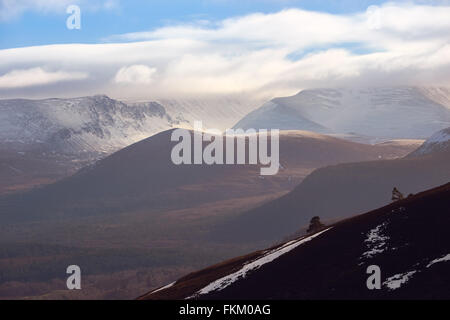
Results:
x,y
262,54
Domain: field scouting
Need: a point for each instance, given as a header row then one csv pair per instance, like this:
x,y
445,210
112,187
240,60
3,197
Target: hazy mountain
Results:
x,y
143,176
215,112
338,191
45,140
400,238
21,170
373,113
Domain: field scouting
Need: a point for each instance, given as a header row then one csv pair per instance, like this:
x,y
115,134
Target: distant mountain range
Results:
x,y
100,124
371,113
42,141
142,176
407,240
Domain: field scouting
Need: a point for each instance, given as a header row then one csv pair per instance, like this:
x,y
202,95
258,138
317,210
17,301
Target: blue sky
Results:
x,y
39,26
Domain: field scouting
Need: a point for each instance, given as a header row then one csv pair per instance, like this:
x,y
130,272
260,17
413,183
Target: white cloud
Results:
x,y
36,76
135,74
263,54
299,29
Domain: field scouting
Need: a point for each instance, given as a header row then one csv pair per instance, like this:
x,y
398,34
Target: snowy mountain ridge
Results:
x,y
101,124
438,142
383,112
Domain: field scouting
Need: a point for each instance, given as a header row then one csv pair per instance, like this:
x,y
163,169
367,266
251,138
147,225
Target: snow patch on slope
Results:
x,y
398,280
165,287
376,241
443,259
268,257
438,142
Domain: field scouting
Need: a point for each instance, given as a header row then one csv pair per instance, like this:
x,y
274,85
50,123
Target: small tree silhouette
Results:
x,y
315,225
397,195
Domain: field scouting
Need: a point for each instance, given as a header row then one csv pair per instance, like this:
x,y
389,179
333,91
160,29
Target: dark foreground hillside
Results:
x,y
339,191
408,240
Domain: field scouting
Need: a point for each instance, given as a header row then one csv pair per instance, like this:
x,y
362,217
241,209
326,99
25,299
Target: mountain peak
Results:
x,y
437,143
379,113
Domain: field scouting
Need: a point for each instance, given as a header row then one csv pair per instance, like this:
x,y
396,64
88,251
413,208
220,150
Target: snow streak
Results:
x,y
270,256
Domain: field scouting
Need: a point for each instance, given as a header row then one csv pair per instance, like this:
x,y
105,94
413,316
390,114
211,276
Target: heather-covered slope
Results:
x,y
338,191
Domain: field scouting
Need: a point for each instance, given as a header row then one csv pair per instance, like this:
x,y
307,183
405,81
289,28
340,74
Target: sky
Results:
x,y
164,49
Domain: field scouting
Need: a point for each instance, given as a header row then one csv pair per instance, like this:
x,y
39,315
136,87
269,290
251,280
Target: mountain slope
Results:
x,y
20,170
380,113
337,191
408,240
437,143
279,116
215,112
142,176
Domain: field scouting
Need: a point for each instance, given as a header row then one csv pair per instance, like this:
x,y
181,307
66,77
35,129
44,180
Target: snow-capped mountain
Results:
x,y
437,143
338,262
91,124
380,113
101,124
